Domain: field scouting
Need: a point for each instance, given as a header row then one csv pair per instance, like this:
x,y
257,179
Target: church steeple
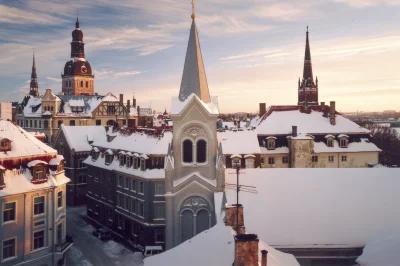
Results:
x,y
307,89
194,78
34,82
77,45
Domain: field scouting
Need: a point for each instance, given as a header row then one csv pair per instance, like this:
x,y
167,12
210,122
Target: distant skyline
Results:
x,y
253,50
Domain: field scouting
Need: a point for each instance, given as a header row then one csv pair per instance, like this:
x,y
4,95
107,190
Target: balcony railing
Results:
x,y
61,248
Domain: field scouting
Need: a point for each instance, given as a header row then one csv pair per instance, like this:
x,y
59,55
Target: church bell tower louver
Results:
x,y
307,89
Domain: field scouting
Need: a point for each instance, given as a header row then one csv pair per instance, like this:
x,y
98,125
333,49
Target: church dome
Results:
x,y
77,66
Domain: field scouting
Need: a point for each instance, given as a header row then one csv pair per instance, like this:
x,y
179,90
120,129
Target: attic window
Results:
x,y
5,145
135,163
109,157
271,143
122,159
343,141
128,159
38,173
142,164
329,142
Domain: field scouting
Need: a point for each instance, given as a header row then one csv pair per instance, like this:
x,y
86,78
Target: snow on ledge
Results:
x,y
236,156
342,136
35,162
249,156
177,106
329,136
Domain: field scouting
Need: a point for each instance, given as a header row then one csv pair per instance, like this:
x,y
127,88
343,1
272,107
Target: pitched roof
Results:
x,y
78,137
23,143
194,75
278,120
318,207
240,142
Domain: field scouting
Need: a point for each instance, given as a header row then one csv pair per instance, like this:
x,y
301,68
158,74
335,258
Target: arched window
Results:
x,y
187,225
87,84
70,84
81,83
187,151
201,149
203,221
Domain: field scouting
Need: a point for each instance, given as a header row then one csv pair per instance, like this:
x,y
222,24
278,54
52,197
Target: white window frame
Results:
x,y
343,142
33,240
155,189
329,142
331,158
271,144
58,198
249,162
142,164
15,213
135,162
44,206
15,249
140,190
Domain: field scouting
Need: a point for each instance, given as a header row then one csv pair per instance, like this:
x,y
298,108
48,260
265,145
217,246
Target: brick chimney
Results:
x,y
264,254
134,101
230,217
294,131
263,109
246,250
324,109
128,105
121,98
332,110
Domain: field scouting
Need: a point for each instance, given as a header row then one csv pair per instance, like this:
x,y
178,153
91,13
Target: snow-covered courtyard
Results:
x,y
89,250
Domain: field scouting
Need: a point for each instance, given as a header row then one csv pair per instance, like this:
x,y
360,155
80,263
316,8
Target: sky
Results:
x,y
253,50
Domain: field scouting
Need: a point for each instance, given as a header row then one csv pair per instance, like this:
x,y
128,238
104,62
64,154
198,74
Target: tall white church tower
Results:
x,y
194,168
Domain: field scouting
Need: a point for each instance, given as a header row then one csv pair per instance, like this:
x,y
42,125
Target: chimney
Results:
x,y
121,98
332,110
134,101
294,131
128,104
323,105
246,250
230,217
96,94
263,109
264,254
138,110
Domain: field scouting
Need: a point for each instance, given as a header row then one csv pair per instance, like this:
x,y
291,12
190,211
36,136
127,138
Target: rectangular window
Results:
x,y
135,163
249,163
127,183
141,209
98,122
343,143
271,160
133,187
141,187
159,188
285,159
314,159
9,212
40,123
30,123
121,159
35,123
127,201
142,165
9,248
133,206
38,207
128,161
120,181
38,240
59,199
72,123
330,159
160,209
271,144
160,236
330,143
344,158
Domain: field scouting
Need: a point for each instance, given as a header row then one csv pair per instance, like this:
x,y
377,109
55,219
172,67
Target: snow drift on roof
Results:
x,y
363,146
281,122
240,142
316,207
23,143
177,106
78,137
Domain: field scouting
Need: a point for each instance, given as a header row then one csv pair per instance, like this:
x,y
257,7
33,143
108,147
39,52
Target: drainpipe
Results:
x,y
338,162
23,246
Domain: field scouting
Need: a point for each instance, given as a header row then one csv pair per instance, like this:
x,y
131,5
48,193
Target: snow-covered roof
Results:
x,y
329,136
35,162
78,137
88,102
342,136
133,111
320,206
57,160
136,142
277,150
278,121
18,182
300,136
76,103
363,146
33,102
177,106
148,174
240,142
37,134
23,143
109,97
254,122
382,250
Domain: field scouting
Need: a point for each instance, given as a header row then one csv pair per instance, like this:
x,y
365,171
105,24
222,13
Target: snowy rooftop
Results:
x,y
136,142
278,121
78,137
33,102
88,102
17,182
177,106
317,207
239,142
363,146
23,143
148,174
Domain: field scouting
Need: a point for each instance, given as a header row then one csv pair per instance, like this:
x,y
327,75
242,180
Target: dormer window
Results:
x,y
329,142
128,159
142,164
343,141
109,157
5,144
271,143
135,161
95,153
38,170
122,158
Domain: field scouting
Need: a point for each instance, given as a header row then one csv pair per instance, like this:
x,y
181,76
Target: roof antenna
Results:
x,y
193,14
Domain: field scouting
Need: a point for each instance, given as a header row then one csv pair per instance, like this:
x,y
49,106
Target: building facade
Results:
x,y
6,111
32,200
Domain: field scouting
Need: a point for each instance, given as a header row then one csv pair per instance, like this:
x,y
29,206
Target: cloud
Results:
x,y
281,11
367,3
17,16
54,79
108,74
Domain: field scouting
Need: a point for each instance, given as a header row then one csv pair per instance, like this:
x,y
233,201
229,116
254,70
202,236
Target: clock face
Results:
x,y
83,69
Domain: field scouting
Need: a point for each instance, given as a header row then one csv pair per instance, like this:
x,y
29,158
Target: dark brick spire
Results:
x,y
77,45
307,90
34,81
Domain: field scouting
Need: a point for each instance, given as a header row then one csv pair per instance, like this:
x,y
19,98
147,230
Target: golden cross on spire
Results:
x,y
193,15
